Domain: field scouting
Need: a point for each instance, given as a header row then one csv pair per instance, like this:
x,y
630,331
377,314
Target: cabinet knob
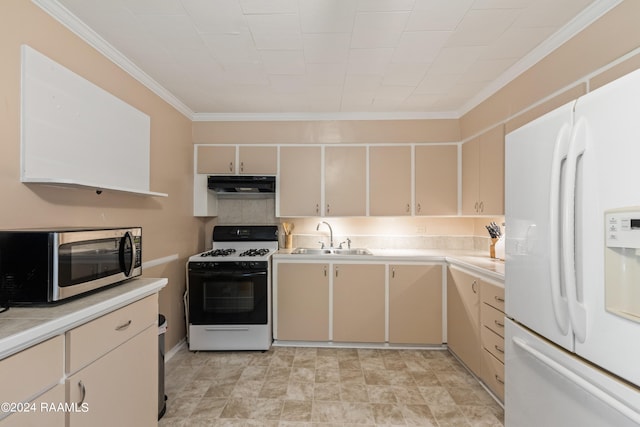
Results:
x,y
481,207
408,207
499,299
241,166
336,269
328,208
230,166
475,207
499,349
498,379
474,287
317,209
393,273
419,207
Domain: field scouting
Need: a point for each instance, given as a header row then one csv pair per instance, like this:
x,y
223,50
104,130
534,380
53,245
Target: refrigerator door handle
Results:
x,y
559,302
577,311
576,379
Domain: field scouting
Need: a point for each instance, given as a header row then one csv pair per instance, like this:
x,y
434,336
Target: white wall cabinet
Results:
x,y
345,180
241,159
390,180
300,181
436,179
483,174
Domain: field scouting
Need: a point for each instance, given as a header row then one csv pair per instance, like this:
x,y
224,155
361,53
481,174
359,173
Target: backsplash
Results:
x,y
462,233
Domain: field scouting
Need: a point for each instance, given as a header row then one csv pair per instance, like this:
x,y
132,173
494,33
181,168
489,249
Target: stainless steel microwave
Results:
x,y
48,266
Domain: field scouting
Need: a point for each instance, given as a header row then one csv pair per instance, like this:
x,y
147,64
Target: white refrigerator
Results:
x,y
572,270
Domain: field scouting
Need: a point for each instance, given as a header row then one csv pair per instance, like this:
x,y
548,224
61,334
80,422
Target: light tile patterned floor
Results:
x,y
299,386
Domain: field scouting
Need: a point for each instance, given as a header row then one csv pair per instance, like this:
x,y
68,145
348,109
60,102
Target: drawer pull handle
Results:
x,y
500,324
498,379
498,348
83,392
499,299
123,326
473,287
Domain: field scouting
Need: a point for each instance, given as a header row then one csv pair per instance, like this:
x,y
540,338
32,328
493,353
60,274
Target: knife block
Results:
x,y
492,247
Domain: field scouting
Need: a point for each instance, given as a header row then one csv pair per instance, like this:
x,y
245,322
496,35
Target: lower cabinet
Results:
x,y
415,304
302,302
120,388
101,373
463,317
112,368
475,326
361,302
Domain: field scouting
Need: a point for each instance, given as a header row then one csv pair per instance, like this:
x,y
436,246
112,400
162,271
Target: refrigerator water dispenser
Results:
x,y
622,262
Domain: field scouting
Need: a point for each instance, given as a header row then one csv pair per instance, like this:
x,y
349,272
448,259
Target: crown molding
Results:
x,y
75,25
564,34
93,39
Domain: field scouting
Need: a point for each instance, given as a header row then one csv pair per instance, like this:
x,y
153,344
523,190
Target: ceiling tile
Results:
x,y
232,47
482,27
516,42
539,14
154,7
270,6
455,60
486,70
278,31
283,61
326,47
404,74
440,84
327,16
369,61
378,29
437,15
384,5
362,82
420,46
220,16
326,74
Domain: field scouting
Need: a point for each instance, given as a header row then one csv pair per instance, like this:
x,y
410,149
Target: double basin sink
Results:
x,y
331,251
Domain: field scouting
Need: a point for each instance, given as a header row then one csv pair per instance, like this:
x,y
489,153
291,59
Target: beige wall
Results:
x,y
168,225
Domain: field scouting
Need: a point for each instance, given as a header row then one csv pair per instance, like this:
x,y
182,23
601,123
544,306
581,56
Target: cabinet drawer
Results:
x,y
493,373
88,342
492,294
32,371
493,343
492,319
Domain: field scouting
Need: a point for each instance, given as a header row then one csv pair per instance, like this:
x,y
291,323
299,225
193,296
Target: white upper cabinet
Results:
x,y
436,179
232,159
345,180
300,181
390,180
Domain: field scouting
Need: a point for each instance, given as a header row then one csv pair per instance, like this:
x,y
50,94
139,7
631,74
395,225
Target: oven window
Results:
x,y
228,297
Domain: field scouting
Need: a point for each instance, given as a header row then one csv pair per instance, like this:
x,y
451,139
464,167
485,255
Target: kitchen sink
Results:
x,y
331,251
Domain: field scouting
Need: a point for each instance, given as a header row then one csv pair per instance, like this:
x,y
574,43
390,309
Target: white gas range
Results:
x,y
229,290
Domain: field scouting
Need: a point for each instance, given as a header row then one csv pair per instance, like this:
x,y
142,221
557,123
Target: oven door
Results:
x,y
227,296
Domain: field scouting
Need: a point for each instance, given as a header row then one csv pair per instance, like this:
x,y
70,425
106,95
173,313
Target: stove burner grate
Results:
x,y
255,252
219,252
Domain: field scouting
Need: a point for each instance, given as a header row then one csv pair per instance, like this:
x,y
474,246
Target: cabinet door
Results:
x,y
299,181
302,302
390,181
43,411
436,179
359,303
120,388
212,160
345,180
470,177
463,317
491,159
258,160
415,304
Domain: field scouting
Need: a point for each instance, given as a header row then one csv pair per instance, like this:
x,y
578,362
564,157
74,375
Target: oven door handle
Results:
x,y
232,274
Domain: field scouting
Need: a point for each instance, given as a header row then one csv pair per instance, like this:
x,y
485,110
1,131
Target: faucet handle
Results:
x,y
321,244
348,243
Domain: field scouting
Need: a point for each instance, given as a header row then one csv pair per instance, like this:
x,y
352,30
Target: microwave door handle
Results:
x,y
559,302
128,237
577,310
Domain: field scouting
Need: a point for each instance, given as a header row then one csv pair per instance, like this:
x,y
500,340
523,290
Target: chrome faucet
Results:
x,y
330,232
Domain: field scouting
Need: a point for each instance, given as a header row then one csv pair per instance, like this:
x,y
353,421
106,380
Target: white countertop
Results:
x,y
477,261
23,327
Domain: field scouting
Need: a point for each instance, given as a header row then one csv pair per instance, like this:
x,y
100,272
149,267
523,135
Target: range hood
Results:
x,y
242,184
